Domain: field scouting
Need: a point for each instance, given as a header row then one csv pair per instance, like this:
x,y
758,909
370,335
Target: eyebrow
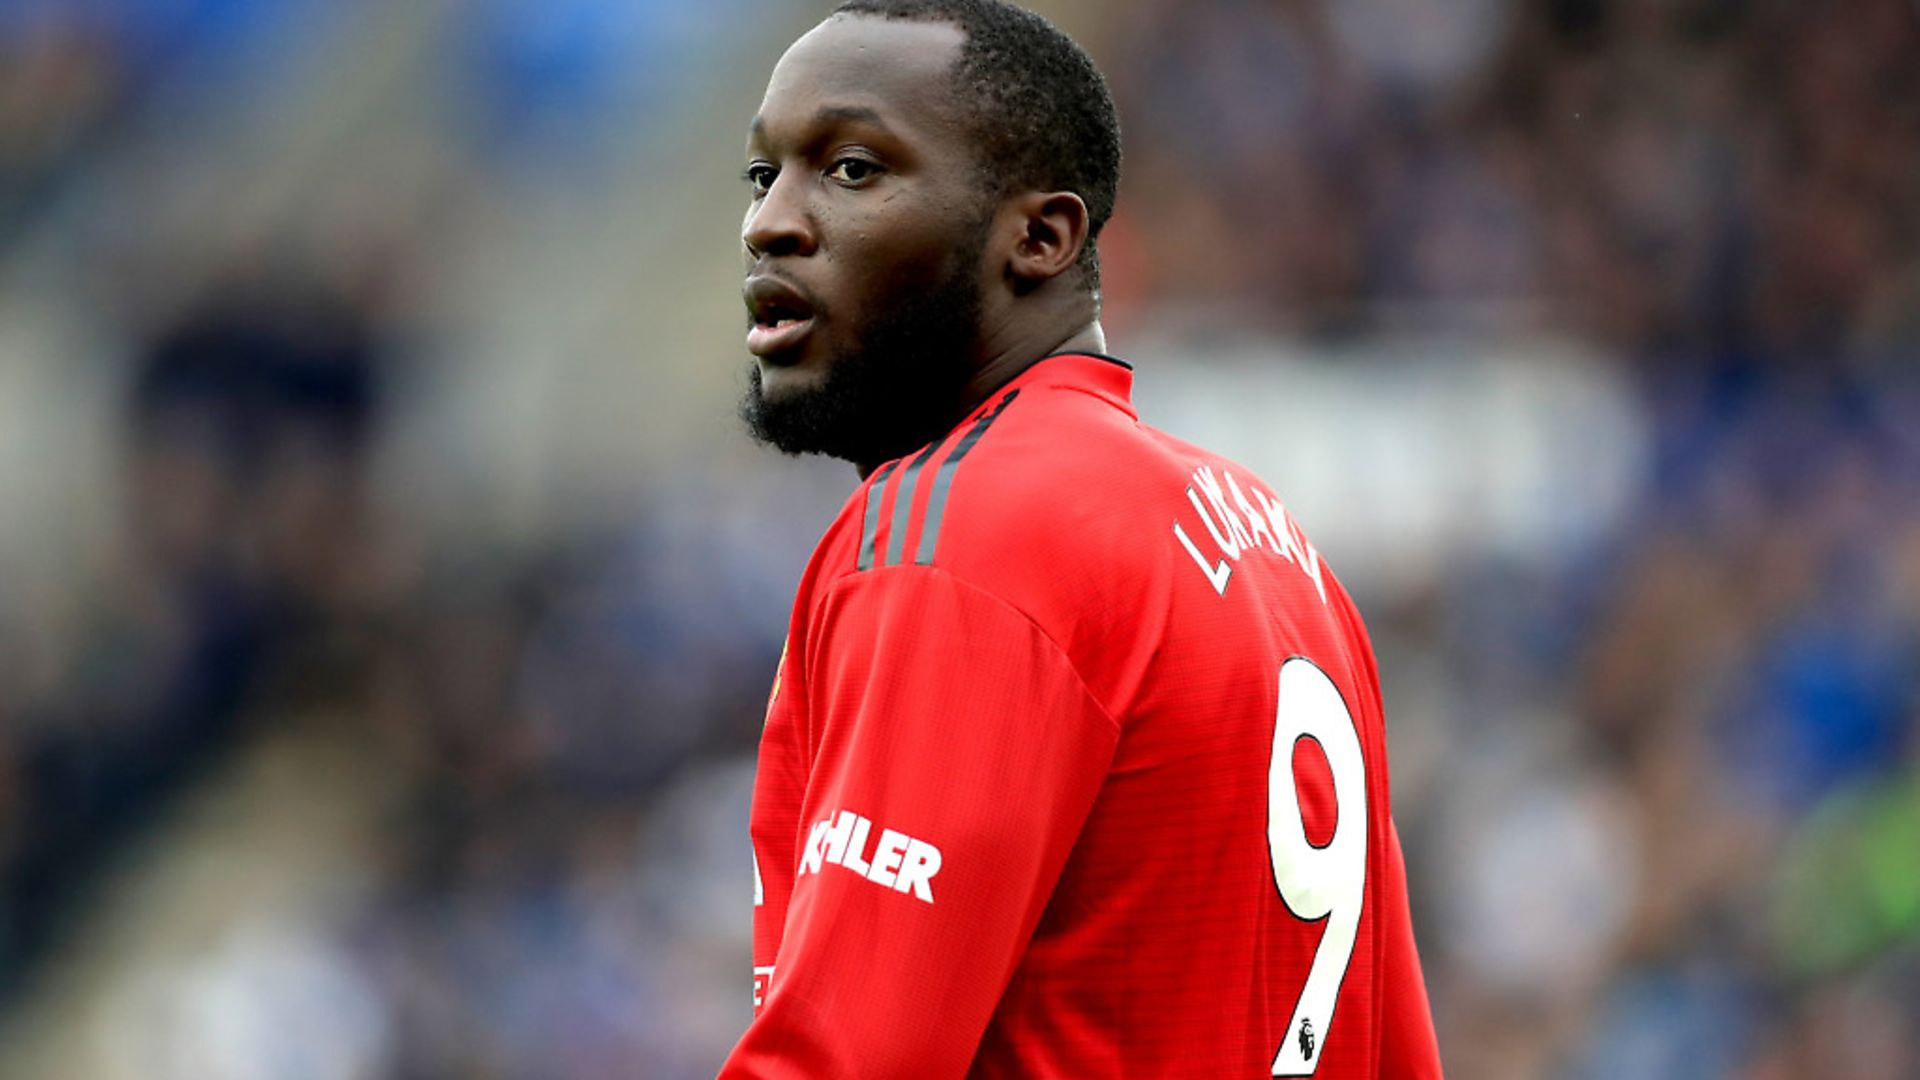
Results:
x,y
827,114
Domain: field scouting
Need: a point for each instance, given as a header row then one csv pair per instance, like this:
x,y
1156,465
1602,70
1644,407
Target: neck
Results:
x,y
1005,363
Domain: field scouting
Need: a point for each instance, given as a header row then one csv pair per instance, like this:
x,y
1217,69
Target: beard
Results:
x,y
895,389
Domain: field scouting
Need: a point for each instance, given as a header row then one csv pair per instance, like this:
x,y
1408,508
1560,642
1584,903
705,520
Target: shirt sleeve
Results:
x,y
956,755
1408,1049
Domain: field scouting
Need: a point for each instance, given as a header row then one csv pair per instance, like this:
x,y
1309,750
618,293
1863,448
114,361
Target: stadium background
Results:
x,y
388,599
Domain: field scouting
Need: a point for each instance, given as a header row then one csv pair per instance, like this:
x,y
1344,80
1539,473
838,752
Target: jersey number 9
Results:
x,y
1317,881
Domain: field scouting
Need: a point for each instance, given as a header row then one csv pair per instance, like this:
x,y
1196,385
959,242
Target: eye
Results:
x,y
853,170
760,177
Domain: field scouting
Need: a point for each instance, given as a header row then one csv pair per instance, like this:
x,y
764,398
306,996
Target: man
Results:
x,y
1074,764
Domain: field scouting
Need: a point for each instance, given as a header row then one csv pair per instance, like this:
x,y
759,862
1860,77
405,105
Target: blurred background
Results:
x,y
388,598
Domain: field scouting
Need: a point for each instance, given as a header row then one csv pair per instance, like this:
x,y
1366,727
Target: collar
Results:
x,y
1107,377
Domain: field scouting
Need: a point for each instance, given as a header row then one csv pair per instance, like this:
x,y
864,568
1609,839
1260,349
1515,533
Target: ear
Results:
x,y
1053,229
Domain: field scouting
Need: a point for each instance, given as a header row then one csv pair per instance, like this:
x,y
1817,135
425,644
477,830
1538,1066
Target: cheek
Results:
x,y
902,253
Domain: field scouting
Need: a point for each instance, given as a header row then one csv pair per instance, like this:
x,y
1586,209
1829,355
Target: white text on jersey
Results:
x,y
1249,529
896,860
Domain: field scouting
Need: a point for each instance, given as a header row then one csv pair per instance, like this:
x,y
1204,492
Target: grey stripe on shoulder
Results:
x,y
943,480
903,501
872,517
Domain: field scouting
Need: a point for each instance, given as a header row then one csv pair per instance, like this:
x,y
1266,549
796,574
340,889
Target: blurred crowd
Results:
x,y
1660,790
1668,811
1700,182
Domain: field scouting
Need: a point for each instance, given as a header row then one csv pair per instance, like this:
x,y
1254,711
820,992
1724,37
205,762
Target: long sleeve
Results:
x,y
1408,1049
955,755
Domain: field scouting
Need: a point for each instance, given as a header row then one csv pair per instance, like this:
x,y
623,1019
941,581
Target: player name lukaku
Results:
x,y
894,860
1237,526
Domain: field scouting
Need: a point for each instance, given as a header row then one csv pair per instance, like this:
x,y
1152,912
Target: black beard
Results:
x,y
894,391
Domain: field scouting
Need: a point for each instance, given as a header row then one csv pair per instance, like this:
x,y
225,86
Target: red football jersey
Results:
x,y
1074,767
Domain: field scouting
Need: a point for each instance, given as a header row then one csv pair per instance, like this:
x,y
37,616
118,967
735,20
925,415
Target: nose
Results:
x,y
780,222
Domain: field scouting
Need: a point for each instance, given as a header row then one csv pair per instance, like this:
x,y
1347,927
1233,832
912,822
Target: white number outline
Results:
x,y
1317,883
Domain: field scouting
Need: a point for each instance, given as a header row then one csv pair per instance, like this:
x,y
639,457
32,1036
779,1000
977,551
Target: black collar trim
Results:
x,y
1096,355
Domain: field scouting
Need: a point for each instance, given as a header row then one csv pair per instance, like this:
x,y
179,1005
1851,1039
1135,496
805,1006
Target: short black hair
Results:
x,y
1039,109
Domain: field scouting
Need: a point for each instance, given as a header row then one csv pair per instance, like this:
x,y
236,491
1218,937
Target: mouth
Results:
x,y
780,317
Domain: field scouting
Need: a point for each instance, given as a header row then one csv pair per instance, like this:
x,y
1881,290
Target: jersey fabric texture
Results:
x,y
1074,766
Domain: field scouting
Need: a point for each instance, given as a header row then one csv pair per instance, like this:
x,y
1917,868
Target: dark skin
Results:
x,y
865,180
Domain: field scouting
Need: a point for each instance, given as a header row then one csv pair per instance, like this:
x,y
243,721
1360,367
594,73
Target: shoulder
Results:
x,y
1050,500
1045,480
